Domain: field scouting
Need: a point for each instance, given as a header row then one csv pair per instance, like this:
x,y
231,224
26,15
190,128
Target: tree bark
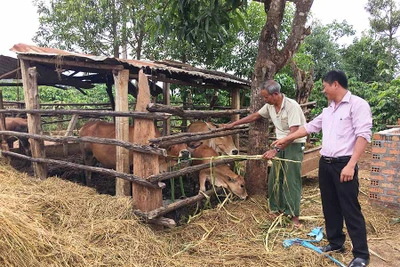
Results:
x,y
270,60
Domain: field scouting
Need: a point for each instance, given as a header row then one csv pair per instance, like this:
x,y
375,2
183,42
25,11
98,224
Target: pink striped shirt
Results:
x,y
341,125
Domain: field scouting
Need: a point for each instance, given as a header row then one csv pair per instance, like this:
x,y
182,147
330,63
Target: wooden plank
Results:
x,y
235,96
144,198
310,160
31,93
121,79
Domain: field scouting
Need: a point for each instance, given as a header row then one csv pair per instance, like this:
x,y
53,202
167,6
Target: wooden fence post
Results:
x,y
4,144
31,93
166,101
144,165
235,95
121,79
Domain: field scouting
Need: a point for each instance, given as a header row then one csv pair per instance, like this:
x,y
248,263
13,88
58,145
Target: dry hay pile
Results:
x,y
60,223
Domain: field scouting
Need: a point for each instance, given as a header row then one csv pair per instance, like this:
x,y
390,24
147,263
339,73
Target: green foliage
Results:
x,y
366,60
199,22
48,94
321,45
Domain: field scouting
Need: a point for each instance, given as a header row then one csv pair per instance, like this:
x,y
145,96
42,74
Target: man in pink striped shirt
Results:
x,y
346,128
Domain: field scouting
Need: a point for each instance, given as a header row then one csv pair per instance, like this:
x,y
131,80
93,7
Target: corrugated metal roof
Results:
x,y
184,71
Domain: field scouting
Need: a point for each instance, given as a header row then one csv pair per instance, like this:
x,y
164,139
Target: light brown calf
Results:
x,y
220,175
222,144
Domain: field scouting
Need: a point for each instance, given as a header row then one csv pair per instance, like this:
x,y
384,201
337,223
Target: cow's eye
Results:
x,y
230,179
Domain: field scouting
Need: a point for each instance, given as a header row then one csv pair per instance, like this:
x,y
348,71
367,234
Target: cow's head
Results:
x,y
179,150
225,145
230,180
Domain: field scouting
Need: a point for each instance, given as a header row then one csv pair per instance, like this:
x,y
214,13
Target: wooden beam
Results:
x,y
194,83
61,62
166,141
129,177
31,94
66,139
121,79
165,176
96,113
144,198
197,114
176,205
8,73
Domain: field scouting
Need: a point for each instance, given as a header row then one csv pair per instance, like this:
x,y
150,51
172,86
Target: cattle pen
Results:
x,y
46,66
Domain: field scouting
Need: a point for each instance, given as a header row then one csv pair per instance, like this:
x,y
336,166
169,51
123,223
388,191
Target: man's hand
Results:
x,y
280,142
347,174
228,126
270,154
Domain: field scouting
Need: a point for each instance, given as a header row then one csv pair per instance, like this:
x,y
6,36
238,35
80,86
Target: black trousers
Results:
x,y
340,201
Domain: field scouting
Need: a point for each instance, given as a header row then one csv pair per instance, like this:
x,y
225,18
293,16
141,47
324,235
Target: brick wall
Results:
x,y
385,168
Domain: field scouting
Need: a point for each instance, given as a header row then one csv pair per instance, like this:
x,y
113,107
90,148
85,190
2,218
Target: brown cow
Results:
x,y
106,154
17,125
222,144
220,175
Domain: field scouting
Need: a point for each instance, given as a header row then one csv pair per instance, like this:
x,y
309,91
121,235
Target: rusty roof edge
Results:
x,y
196,72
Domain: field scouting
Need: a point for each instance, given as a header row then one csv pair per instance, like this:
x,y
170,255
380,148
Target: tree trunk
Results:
x,y
269,61
304,83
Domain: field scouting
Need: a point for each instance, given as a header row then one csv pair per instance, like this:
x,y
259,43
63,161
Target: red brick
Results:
x,y
377,137
394,152
393,193
389,179
395,138
378,164
379,177
388,185
379,150
389,159
386,199
376,190
387,171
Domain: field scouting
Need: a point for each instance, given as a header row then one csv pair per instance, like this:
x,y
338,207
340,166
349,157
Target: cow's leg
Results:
x,y
88,160
24,146
203,178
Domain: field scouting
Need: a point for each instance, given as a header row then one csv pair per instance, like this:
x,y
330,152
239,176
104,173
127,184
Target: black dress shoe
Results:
x,y
329,248
359,262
